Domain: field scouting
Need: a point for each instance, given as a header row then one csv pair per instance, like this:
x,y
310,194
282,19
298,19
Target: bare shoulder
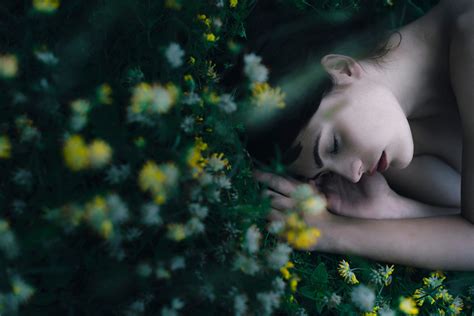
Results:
x,y
458,11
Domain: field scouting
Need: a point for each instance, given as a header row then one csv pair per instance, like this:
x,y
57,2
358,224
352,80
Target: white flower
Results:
x,y
252,239
227,103
188,124
162,99
151,214
269,301
279,285
177,263
253,68
276,227
46,58
222,182
198,210
220,3
386,312
246,264
117,174
174,54
191,98
333,301
119,210
144,270
240,305
194,226
279,256
363,297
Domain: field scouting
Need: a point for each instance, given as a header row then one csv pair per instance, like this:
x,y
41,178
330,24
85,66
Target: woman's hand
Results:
x,y
371,197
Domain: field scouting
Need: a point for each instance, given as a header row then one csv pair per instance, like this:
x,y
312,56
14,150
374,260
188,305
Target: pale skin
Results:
x,y
367,217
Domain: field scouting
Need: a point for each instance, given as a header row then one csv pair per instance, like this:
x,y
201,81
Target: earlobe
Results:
x,y
342,69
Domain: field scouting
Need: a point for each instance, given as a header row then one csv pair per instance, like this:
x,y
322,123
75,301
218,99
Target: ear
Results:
x,y
342,69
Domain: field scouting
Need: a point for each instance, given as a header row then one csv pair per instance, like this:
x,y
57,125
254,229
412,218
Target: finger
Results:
x,y
279,201
277,183
276,216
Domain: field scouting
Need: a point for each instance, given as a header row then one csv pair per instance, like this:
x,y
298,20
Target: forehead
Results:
x,y
323,119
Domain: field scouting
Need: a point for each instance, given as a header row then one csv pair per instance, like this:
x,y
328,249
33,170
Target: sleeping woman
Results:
x,y
391,145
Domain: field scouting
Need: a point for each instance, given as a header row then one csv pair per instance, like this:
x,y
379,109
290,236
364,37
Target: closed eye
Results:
x,y
336,146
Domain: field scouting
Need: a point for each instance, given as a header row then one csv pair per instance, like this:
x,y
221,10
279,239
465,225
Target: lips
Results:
x,y
381,165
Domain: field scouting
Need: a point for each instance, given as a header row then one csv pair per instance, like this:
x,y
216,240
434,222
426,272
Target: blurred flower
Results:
x,y
76,153
308,201
386,311
176,231
210,37
22,290
253,68
421,295
347,273
284,270
117,174
227,103
204,19
104,94
269,301
106,228
5,147
383,275
154,98
177,263
194,226
46,6
434,280
240,305
217,162
158,180
333,301
233,3
23,178
252,239
173,4
8,242
187,124
150,214
198,210
267,98
247,265
174,54
100,153
8,66
363,297
26,129
45,56
408,306
456,306
298,234
279,256
195,160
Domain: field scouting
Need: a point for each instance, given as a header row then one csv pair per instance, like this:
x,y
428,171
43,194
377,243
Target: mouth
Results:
x,y
381,165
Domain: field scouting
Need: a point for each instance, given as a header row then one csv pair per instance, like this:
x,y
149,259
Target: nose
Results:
x,y
355,170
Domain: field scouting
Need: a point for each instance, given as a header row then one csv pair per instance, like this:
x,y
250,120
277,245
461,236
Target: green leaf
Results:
x,y
320,274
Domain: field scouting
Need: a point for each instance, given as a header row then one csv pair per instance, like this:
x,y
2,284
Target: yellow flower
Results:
x,y
266,97
173,4
284,270
408,306
421,295
347,273
456,306
46,6
153,98
104,94
188,78
76,153
306,238
373,312
96,209
8,66
192,60
5,147
195,159
210,37
294,283
151,178
233,3
100,153
434,280
176,231
106,228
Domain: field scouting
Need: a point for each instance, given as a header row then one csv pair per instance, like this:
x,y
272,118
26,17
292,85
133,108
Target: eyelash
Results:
x,y
336,146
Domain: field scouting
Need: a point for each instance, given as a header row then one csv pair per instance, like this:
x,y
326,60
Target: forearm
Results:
x,y
404,207
444,242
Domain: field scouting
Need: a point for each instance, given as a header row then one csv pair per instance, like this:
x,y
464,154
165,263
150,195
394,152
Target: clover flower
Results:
x,y
8,66
217,162
456,306
363,297
279,256
5,147
227,103
100,153
176,231
347,273
298,234
252,239
266,97
408,306
153,98
195,160
46,57
383,275
420,295
158,180
76,153
22,290
240,305
307,201
253,68
233,3
174,54
247,265
46,6
104,94
150,215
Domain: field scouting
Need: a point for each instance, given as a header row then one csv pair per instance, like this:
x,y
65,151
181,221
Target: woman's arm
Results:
x,y
444,242
462,79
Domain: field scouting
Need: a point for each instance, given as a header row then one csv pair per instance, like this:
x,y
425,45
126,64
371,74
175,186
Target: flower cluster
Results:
x,y
298,234
154,98
80,156
347,273
159,180
46,6
8,66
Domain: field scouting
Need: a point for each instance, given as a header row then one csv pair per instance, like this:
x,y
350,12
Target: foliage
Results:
x,y
125,185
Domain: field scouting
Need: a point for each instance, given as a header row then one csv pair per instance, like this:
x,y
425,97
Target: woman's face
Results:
x,y
354,125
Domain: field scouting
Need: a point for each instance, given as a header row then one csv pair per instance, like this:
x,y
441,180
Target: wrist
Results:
x,y
330,226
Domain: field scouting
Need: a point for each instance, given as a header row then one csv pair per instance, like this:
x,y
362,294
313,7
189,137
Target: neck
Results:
x,y
411,69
